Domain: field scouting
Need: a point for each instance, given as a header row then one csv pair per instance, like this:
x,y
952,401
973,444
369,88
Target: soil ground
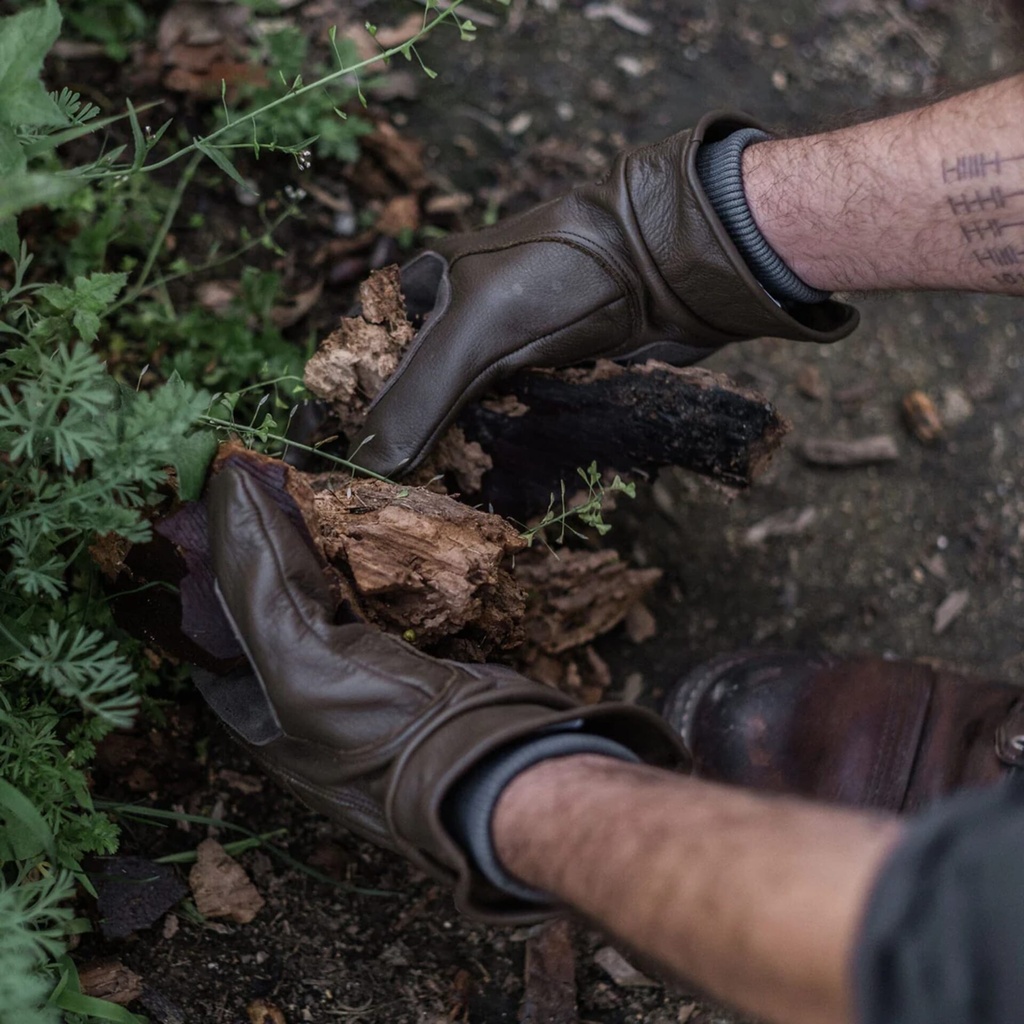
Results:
x,y
533,105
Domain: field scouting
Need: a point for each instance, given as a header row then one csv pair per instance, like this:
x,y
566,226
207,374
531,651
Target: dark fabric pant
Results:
x,y
942,941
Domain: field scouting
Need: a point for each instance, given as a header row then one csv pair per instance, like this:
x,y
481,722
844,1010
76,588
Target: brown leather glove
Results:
x,y
361,726
609,270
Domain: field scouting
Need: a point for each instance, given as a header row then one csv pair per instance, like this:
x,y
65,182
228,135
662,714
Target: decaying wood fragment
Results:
x,y
630,419
352,363
549,981
863,451
513,449
111,981
422,564
578,596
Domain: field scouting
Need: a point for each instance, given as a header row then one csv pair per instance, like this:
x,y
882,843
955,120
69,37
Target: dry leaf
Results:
x,y
111,981
221,887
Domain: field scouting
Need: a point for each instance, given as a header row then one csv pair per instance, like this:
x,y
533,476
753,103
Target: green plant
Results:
x,y
589,510
320,123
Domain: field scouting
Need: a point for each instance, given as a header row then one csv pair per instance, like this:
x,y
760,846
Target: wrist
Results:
x,y
721,172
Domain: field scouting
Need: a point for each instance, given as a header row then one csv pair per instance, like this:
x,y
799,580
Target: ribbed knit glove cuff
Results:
x,y
470,807
720,168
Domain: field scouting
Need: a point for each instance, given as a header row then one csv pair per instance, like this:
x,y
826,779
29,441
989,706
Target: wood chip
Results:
x,y
456,202
809,382
789,522
221,887
578,597
620,970
641,624
549,981
112,981
618,16
239,781
921,417
260,1011
862,451
686,1011
400,216
949,611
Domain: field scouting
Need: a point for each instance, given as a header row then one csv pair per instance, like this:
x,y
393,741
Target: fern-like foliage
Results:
x,y
34,912
84,456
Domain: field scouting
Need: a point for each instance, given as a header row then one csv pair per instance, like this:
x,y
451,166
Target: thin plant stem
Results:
x,y
213,421
173,206
385,55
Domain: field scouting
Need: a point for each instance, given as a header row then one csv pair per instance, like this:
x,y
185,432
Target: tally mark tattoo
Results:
x,y
990,217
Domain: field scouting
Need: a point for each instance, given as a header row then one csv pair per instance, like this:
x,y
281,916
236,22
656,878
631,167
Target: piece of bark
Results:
x,y
549,977
111,981
422,564
410,561
133,893
578,596
221,887
512,451
863,451
621,971
631,419
950,610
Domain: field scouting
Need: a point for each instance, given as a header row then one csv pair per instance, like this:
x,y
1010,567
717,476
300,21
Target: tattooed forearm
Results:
x,y
925,200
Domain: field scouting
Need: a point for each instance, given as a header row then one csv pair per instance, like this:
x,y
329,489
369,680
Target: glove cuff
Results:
x,y
466,737
469,808
720,169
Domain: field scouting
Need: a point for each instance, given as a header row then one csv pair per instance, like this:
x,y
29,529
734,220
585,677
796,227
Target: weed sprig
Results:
x,y
589,510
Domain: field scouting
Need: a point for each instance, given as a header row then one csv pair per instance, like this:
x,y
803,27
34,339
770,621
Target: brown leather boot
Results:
x,y
864,732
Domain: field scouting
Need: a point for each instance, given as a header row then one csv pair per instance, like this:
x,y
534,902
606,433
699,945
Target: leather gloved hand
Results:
x,y
613,270
361,726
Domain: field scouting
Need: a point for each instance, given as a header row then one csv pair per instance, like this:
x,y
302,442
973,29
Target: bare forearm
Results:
x,y
929,199
756,900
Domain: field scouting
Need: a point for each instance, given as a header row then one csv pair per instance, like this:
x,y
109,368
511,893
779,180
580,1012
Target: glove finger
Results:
x,y
532,304
270,585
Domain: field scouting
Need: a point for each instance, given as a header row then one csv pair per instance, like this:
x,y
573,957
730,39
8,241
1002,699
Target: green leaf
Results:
x,y
26,190
12,154
137,137
220,158
25,835
9,241
25,40
193,458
